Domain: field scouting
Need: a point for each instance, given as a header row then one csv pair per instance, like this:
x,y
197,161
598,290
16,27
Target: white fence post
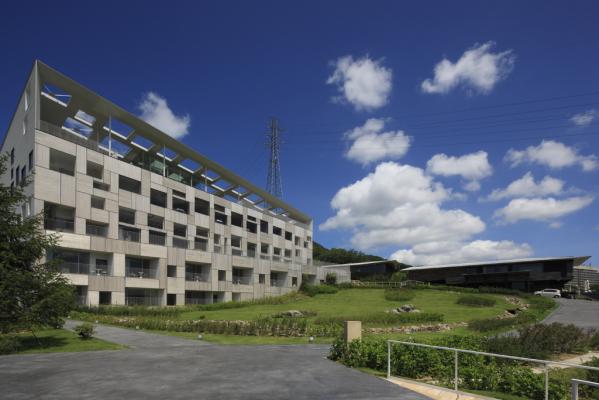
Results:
x,y
574,390
455,373
388,359
546,382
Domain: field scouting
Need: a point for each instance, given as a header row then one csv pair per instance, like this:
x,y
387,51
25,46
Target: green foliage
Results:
x,y
399,294
383,318
85,330
542,341
476,301
495,324
286,298
476,372
9,344
399,276
331,278
313,290
341,256
32,293
124,311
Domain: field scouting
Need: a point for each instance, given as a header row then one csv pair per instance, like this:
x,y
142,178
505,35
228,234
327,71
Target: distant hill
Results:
x,y
341,256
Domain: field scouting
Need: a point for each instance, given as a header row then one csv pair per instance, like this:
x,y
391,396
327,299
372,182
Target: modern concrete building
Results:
x,y
142,218
527,274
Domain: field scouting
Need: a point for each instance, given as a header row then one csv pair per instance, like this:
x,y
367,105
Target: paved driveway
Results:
x,y
582,313
162,367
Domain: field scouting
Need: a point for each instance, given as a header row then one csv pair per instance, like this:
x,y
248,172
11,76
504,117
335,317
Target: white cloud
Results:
x,y
527,187
370,143
156,112
472,167
478,250
400,205
552,154
537,209
584,118
365,83
477,70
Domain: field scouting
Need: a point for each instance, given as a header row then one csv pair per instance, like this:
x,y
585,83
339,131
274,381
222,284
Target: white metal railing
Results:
x,y
456,351
576,382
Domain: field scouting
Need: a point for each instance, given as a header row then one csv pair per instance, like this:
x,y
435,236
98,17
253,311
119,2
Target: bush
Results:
x,y
125,311
286,298
542,341
495,324
313,290
331,278
472,300
85,330
9,344
399,294
383,318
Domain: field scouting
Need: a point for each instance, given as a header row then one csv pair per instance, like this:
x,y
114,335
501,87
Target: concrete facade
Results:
x,y
142,218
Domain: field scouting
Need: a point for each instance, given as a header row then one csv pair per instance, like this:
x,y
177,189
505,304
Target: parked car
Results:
x,y
555,293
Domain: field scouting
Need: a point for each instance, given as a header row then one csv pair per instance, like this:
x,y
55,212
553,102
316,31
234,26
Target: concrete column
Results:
x,y
352,330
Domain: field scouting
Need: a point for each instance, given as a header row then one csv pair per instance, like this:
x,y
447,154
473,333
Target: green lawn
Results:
x,y
356,302
60,340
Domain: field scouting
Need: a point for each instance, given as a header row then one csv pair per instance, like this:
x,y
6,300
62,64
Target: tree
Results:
x,y
33,293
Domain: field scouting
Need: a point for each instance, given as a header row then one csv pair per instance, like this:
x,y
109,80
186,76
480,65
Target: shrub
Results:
x,y
286,298
331,278
542,341
9,344
85,330
494,324
313,290
399,294
383,318
472,300
125,311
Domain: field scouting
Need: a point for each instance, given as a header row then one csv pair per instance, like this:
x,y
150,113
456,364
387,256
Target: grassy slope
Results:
x,y
356,302
60,340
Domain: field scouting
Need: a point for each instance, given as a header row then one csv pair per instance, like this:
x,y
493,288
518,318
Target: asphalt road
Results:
x,y
582,313
163,367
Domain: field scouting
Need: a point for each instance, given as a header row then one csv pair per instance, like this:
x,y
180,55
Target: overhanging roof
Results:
x,y
576,260
102,109
358,264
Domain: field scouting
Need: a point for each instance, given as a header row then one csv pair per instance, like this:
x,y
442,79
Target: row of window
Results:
x,y
65,163
18,174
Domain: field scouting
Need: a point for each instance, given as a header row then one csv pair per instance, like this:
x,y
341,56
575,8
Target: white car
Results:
x,y
555,293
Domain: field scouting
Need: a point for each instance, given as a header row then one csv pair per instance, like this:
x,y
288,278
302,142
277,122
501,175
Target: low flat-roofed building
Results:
x,y
527,274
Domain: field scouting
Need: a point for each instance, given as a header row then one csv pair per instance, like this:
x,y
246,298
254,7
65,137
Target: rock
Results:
x,y
292,313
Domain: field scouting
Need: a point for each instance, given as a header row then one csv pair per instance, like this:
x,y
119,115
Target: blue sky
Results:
x,y
515,74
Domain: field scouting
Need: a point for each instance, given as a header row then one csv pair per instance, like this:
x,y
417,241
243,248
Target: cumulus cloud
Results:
x,y
552,154
478,70
477,250
527,187
538,209
364,83
401,205
156,112
472,167
371,143
584,118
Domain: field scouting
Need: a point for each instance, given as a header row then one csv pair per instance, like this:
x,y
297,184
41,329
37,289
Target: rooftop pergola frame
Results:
x,y
69,110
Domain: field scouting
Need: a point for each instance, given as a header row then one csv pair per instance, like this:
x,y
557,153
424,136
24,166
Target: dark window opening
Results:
x,y
97,202
264,226
180,205
222,275
180,230
30,160
237,219
251,227
129,184
62,162
158,198
277,231
202,206
171,271
171,299
155,221
94,170
127,216
105,298
96,228
288,236
220,218
157,238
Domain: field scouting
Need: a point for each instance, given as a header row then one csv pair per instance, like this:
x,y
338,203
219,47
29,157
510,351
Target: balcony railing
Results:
x,y
142,300
155,238
67,267
180,243
59,224
96,230
196,277
242,280
276,258
200,245
129,235
136,272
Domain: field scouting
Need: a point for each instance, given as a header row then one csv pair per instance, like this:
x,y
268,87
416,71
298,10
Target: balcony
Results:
x,y
180,243
69,267
96,229
277,282
200,244
196,277
140,268
129,234
157,238
59,224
